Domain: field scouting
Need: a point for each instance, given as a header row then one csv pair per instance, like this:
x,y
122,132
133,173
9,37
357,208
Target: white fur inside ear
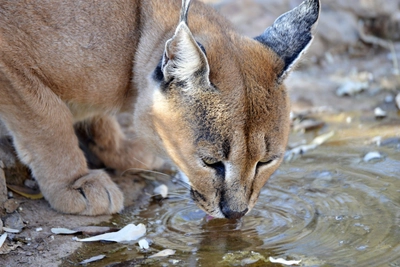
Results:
x,y
182,56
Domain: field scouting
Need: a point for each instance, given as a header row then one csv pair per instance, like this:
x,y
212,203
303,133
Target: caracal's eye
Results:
x,y
216,165
210,161
267,162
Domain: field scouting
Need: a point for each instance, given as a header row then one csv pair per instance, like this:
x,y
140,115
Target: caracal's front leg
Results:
x,y
117,151
42,129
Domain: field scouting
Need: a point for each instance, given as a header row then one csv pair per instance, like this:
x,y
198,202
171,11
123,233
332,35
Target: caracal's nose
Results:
x,y
232,214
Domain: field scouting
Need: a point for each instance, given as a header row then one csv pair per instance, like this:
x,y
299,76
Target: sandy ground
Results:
x,y
313,87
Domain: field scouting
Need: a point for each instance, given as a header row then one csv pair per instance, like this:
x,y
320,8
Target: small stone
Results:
x,y
11,205
372,155
174,262
398,101
389,99
380,113
14,221
143,244
351,88
161,190
377,140
30,183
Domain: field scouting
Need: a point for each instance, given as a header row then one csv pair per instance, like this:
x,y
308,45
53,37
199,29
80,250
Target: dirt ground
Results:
x,y
350,67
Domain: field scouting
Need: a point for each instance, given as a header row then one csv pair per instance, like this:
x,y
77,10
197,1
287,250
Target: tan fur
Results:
x,y
63,62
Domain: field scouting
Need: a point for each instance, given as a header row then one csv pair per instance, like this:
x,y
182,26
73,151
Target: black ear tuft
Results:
x,y
292,33
185,11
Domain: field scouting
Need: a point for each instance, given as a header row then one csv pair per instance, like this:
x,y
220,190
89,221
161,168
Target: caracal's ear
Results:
x,y
292,33
183,58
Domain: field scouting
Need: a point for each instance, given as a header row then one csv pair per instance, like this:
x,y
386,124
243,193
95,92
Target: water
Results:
x,y
327,208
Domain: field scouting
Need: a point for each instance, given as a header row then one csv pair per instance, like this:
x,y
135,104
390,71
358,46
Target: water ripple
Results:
x,y
343,213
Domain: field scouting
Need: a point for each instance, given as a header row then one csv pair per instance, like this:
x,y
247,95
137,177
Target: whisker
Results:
x,y
141,162
180,193
185,185
172,196
143,170
178,198
180,182
177,194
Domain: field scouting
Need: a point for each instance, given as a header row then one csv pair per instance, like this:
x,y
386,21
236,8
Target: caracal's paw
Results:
x,y
92,194
130,155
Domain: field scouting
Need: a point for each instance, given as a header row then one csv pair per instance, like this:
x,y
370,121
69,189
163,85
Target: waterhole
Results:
x,y
328,207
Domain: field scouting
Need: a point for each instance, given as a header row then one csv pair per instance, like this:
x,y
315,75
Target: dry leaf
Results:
x,y
2,239
86,230
129,233
289,155
26,192
92,259
62,231
319,140
283,261
307,125
163,253
10,230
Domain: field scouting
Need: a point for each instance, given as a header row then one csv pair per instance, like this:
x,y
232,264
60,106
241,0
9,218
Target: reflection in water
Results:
x,y
327,208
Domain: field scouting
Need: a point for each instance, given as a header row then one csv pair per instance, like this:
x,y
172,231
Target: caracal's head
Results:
x,y
219,108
